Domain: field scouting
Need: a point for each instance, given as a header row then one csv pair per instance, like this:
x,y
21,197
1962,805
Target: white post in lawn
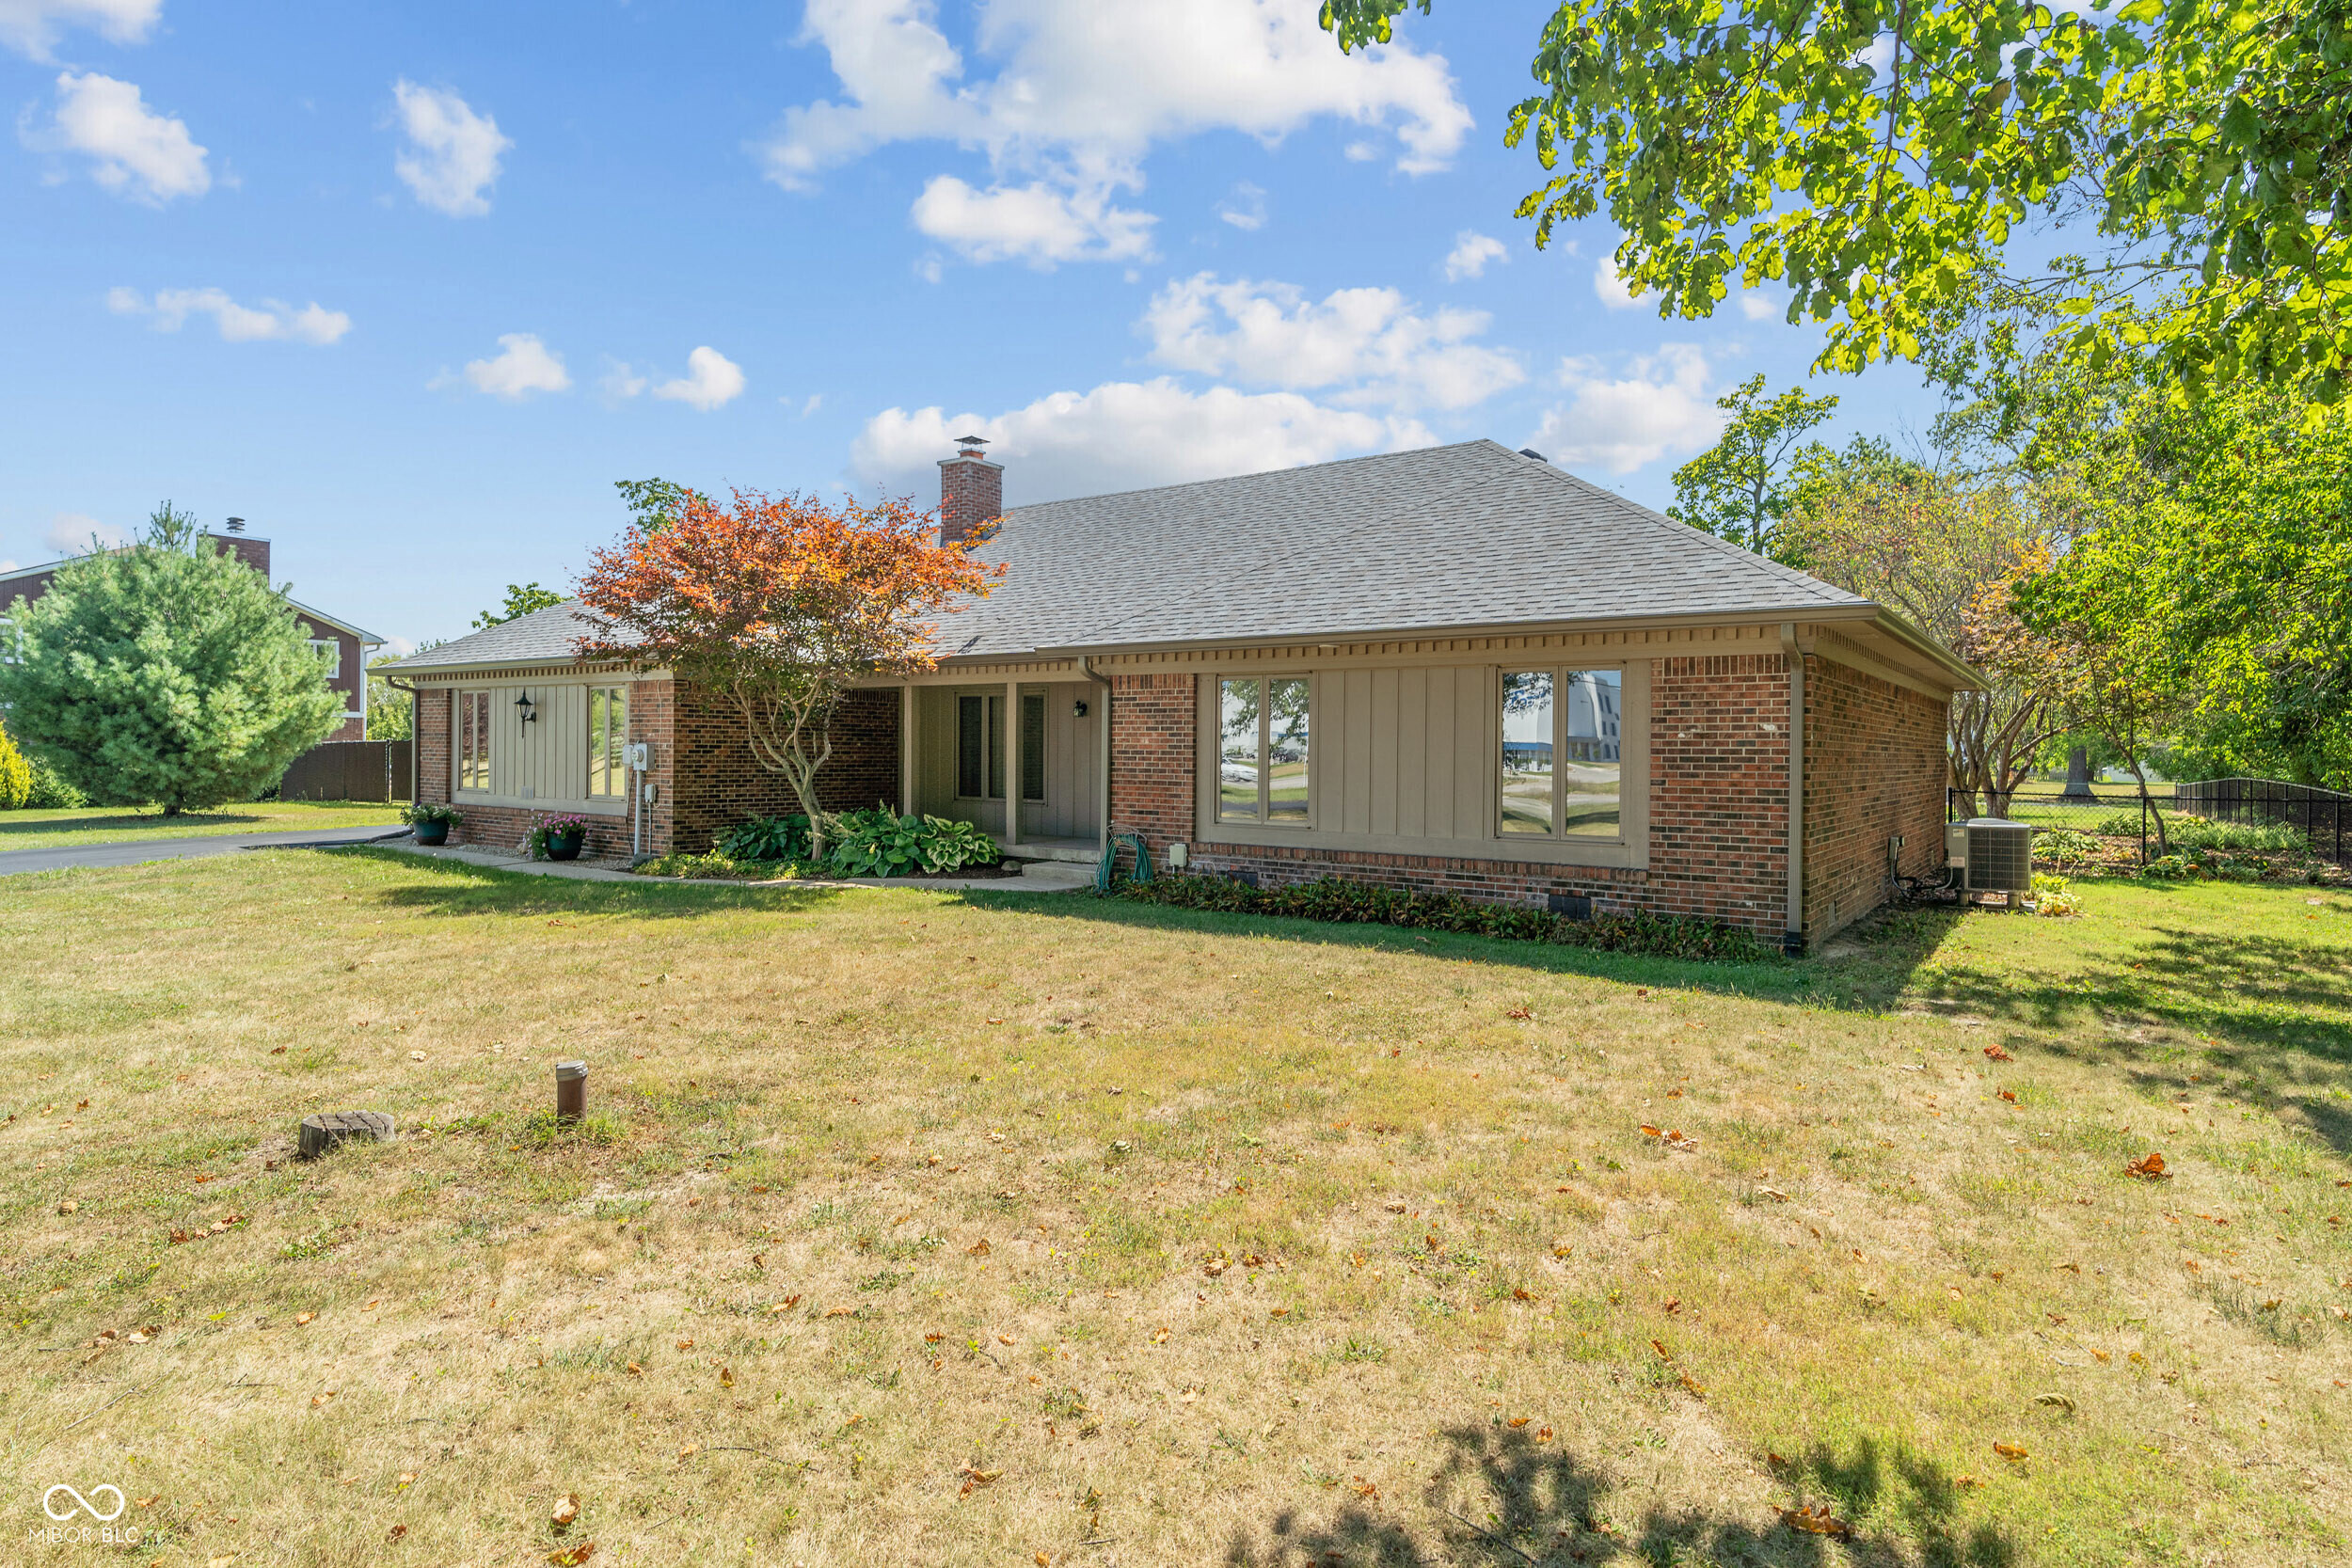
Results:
x,y
908,706
1012,763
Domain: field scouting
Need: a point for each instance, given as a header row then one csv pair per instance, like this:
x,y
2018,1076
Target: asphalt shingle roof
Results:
x,y
1472,534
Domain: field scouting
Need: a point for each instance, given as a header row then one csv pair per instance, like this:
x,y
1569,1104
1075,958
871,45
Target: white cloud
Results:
x,y
1662,406
1372,344
1470,253
1124,434
451,159
1762,307
621,380
1610,289
271,320
524,365
132,149
399,647
9,564
1035,222
70,533
31,26
1245,207
710,380
1082,91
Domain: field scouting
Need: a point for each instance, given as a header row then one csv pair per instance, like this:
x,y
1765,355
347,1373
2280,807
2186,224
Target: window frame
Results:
x,y
333,648
1265,819
608,767
470,750
1560,676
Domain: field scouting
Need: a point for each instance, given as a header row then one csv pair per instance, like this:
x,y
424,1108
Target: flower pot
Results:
x,y
432,833
565,846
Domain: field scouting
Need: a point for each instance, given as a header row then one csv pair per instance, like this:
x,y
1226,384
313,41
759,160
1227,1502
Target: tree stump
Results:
x,y
327,1129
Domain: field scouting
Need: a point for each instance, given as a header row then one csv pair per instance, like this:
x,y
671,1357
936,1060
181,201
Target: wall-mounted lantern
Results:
x,y
523,705
1079,707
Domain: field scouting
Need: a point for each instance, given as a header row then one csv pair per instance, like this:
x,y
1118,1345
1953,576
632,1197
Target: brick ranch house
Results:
x,y
1457,668
344,646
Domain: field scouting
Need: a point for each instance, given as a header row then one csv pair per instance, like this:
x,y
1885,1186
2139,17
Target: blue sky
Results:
x,y
408,288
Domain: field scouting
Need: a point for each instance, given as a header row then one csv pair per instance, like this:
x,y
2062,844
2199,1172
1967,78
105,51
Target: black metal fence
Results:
x,y
2321,815
2114,815
349,770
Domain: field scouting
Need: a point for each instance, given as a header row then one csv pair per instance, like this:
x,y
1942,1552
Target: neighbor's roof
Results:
x,y
1438,540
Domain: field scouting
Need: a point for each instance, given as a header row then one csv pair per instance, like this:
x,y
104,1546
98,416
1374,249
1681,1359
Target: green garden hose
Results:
x,y
1107,872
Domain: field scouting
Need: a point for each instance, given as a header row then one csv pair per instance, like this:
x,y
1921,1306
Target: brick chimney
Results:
x,y
971,491
253,551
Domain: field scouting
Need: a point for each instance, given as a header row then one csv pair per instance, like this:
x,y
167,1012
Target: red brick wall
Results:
x,y
971,496
1153,720
1873,767
719,782
1718,815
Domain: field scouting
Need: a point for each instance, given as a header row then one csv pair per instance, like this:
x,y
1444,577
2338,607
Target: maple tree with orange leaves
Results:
x,y
781,604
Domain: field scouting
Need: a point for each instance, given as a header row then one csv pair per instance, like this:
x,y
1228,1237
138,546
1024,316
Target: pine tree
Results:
x,y
167,672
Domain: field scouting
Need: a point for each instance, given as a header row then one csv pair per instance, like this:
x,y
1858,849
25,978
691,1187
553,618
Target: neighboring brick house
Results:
x,y
1459,668
345,646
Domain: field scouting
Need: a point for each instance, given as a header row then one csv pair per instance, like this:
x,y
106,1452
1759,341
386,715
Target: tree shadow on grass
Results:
x,y
1774,979
12,826
1502,1496
461,888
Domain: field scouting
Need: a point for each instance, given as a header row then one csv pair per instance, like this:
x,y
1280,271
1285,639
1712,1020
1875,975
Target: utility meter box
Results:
x,y
1956,845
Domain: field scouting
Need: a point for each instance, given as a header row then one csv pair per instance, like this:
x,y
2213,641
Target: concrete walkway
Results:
x,y
1040,876
135,851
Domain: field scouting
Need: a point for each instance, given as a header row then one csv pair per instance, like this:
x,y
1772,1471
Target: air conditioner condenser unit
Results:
x,y
1998,854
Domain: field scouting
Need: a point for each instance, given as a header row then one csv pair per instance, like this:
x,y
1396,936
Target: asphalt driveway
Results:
x,y
133,852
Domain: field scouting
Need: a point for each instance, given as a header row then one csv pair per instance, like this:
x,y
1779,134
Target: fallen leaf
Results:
x,y
396,1533
1814,1521
726,1377
1774,1194
979,1249
302,1318
567,1509
980,1477
1366,1489
2010,1450
636,1370
1521,1420
2148,1167
573,1557
2056,1401
686,1345
1160,1337
1998,1055
2009,1094
1543,1435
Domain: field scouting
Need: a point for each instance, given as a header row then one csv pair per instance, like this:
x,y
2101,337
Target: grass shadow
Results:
x,y
461,888
1502,1496
1778,981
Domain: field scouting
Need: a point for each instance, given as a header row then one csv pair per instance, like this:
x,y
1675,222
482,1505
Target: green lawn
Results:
x,y
48,829
1000,1228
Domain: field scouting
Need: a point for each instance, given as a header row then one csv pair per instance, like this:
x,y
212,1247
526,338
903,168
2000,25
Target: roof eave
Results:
x,y
1769,615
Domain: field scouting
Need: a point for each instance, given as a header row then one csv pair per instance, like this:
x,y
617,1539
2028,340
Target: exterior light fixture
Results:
x,y
1079,707
524,706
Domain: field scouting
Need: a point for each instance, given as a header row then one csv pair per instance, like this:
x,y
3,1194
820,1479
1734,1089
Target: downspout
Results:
x,y
1103,768
416,736
1792,942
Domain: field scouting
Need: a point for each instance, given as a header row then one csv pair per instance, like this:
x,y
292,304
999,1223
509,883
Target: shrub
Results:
x,y
2064,846
1346,901
766,838
881,843
2119,824
2198,832
2054,895
701,866
51,792
16,774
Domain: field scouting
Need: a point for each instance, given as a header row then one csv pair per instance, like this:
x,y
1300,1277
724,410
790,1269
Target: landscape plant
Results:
x,y
546,827
16,774
766,838
778,605
878,842
417,813
167,671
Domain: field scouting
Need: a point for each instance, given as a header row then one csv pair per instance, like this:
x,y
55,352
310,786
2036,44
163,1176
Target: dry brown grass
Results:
x,y
1301,1245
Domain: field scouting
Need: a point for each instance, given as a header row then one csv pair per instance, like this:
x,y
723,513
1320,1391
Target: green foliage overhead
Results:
x,y
522,598
167,672
1739,488
653,504
1877,157
16,774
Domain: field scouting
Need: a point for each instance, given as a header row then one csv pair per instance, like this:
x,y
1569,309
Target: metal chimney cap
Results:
x,y
237,525
975,442
1531,451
